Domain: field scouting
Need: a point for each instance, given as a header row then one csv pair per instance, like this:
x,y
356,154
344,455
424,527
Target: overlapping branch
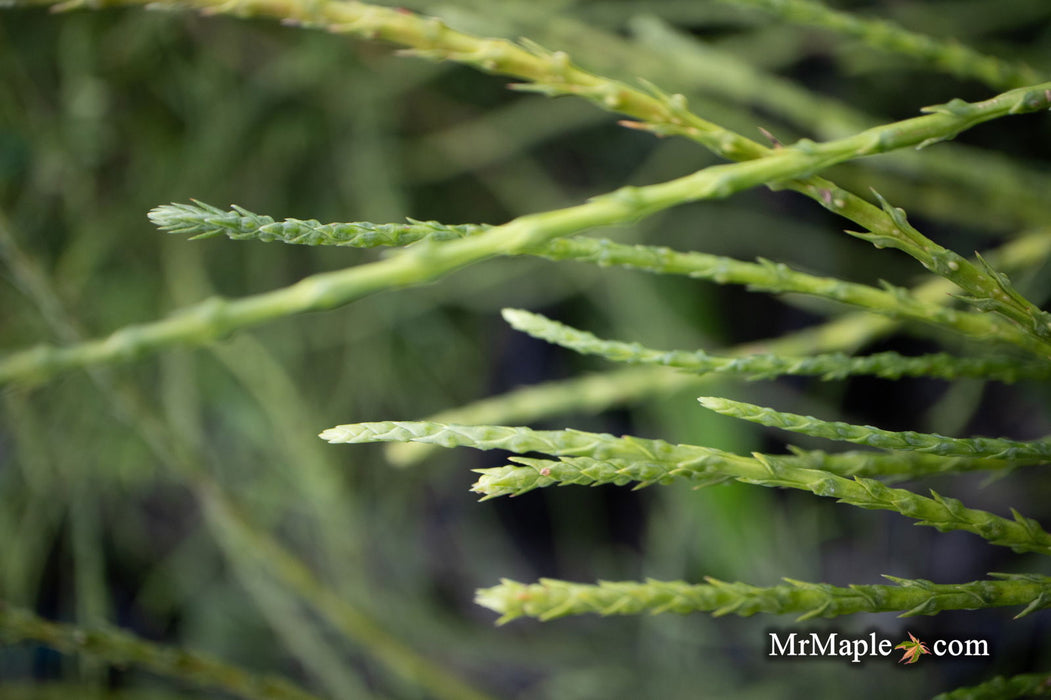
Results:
x,y
549,599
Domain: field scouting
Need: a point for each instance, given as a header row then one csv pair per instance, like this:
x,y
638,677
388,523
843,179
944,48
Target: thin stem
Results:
x,y
888,365
549,599
203,220
622,460
928,443
706,468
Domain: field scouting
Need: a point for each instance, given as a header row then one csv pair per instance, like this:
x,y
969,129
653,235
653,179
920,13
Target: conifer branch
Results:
x,y
707,467
121,648
765,275
650,461
590,459
888,365
891,466
945,514
203,220
549,598
997,448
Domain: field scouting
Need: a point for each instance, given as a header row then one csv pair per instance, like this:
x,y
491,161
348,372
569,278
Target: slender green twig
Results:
x,y
988,288
889,365
710,467
945,514
947,55
997,448
549,599
637,459
203,220
121,648
891,465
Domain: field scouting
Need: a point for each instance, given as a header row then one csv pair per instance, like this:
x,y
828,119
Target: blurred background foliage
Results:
x,y
104,115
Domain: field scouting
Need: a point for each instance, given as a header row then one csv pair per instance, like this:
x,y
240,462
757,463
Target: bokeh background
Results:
x,y
104,115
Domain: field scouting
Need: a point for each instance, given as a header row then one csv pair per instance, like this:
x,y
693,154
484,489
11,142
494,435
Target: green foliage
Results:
x,y
278,556
888,365
1034,451
550,599
604,459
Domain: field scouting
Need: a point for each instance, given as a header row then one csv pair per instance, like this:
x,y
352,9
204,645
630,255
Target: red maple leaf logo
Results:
x,y
914,649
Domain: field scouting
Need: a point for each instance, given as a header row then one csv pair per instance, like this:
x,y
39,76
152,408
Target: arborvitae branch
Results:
x,y
947,55
1001,688
642,460
205,221
891,465
120,648
765,275
987,288
945,514
549,598
707,467
889,365
513,439
999,448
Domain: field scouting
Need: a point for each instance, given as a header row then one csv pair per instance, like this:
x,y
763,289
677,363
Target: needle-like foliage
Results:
x,y
988,327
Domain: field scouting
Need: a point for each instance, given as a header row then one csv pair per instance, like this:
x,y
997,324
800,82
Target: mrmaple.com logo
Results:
x,y
832,644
